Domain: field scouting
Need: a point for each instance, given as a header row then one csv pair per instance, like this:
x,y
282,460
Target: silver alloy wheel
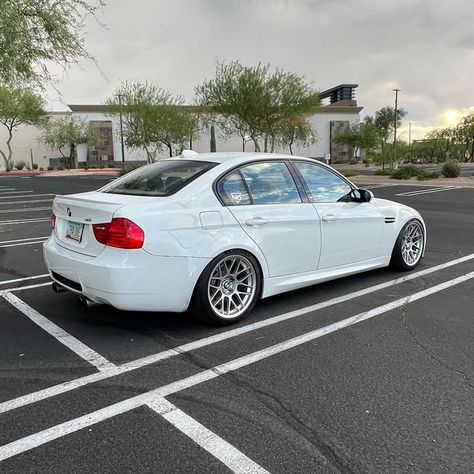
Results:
x,y
412,243
232,286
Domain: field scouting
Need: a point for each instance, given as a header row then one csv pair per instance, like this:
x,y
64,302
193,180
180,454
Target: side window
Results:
x,y
271,183
322,185
232,190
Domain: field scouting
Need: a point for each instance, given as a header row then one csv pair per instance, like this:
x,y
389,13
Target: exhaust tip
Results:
x,y
87,303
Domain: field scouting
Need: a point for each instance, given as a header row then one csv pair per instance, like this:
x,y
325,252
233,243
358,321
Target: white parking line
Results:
x,y
428,191
26,195
17,280
234,459
22,288
25,209
26,202
62,336
25,221
63,429
382,185
2,191
22,240
24,243
7,189
200,343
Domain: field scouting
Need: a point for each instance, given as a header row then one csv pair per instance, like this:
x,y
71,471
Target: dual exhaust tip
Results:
x,y
83,300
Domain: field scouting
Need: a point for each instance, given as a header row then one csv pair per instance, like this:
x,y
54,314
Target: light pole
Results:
x,y
395,120
409,139
121,128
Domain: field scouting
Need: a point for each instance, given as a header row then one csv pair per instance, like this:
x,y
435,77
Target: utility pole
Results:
x,y
395,120
121,128
409,139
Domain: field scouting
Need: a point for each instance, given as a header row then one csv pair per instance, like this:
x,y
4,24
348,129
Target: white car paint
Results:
x,y
293,243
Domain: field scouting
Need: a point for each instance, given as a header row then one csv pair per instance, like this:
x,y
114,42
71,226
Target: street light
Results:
x,y
395,120
121,128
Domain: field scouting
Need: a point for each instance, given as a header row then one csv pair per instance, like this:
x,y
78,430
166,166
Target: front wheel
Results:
x,y
228,288
409,246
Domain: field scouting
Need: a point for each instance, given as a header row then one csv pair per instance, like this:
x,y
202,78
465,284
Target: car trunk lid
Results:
x,y
76,213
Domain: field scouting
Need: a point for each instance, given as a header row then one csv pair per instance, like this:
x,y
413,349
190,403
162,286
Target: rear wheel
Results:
x,y
409,246
228,288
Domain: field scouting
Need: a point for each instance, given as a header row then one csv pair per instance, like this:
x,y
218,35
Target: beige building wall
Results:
x,y
26,138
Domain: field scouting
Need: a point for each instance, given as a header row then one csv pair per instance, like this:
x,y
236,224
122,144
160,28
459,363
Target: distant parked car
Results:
x,y
219,231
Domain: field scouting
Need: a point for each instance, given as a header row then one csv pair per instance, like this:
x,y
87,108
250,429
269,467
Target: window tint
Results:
x,y
322,185
160,179
270,183
232,190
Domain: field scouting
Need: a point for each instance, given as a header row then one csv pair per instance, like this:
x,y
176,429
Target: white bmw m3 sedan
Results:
x,y
219,231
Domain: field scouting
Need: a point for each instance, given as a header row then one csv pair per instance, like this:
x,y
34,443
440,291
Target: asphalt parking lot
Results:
x,y
368,374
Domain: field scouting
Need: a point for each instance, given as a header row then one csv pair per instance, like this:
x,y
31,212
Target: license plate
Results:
x,y
74,231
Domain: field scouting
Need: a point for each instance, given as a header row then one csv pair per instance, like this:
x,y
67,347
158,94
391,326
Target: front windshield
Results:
x,y
159,179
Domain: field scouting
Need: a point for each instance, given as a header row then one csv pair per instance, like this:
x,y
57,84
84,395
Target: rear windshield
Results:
x,y
160,179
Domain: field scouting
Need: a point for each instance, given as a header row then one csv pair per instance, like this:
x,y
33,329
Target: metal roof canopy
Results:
x,y
339,93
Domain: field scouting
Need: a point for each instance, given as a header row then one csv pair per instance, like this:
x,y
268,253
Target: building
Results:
x,y
339,109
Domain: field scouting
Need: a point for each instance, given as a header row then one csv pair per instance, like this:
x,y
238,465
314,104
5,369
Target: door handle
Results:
x,y
256,221
329,218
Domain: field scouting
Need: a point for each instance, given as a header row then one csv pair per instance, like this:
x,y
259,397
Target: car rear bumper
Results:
x,y
130,280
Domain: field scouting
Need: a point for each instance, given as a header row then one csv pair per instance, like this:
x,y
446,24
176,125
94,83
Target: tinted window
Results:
x,y
160,179
322,185
233,191
270,183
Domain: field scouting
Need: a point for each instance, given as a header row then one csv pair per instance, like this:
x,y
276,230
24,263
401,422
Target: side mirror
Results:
x,y
361,195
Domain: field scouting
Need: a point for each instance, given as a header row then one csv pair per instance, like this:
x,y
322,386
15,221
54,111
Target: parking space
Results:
x,y
370,373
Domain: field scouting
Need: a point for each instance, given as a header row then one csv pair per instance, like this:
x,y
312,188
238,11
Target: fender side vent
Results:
x,y
389,220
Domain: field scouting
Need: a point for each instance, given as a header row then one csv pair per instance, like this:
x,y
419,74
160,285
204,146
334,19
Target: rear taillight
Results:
x,y
121,233
53,221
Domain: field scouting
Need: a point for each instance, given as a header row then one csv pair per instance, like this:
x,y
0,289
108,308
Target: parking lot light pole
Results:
x,y
395,120
121,128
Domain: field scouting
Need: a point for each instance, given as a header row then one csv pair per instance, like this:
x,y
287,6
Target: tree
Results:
x,y
295,132
18,106
384,121
364,136
256,99
464,134
67,133
153,118
37,33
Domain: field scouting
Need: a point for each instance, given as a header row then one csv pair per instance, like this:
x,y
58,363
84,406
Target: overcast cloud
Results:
x,y
424,47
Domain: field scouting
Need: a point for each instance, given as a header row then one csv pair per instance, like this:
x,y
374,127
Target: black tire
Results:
x,y
201,304
398,261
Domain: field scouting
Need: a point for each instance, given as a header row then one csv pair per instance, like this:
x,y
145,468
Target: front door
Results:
x,y
351,232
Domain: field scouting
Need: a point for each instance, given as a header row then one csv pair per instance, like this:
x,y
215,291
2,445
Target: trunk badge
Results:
x,y
69,213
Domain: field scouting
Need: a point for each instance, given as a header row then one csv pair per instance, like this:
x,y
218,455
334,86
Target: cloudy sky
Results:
x,y
424,47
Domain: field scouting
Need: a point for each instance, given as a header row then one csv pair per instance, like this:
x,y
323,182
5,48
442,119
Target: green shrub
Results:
x,y
41,168
50,168
60,168
348,174
353,161
35,166
19,165
451,169
408,172
382,173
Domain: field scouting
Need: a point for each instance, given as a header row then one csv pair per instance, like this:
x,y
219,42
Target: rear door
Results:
x,y
266,202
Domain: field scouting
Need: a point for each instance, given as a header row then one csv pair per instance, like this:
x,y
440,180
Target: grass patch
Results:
x,y
348,174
